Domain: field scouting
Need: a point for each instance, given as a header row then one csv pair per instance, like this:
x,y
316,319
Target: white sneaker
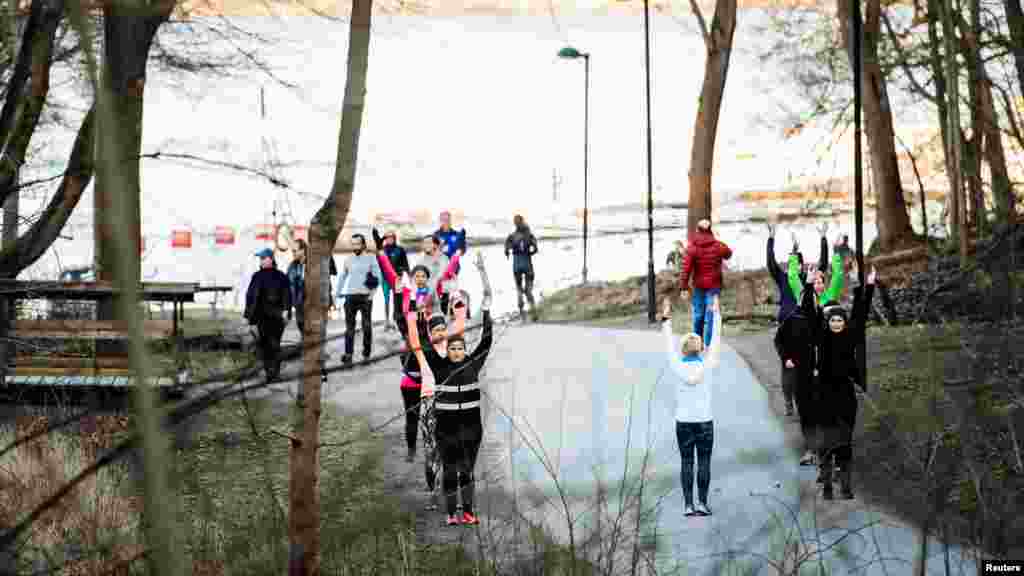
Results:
x,y
689,511
703,510
808,459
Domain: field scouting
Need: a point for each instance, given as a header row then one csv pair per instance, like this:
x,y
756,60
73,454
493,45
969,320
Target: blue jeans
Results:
x,y
703,317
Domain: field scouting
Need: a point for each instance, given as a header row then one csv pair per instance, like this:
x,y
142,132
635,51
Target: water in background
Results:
x,y
558,264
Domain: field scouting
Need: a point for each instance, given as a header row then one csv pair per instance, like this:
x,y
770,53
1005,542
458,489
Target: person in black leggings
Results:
x,y
457,406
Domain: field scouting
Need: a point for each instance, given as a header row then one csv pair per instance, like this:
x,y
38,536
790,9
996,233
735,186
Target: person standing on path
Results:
x,y
704,257
436,262
267,300
787,306
452,242
399,262
359,278
297,282
839,372
695,429
459,425
522,245
795,342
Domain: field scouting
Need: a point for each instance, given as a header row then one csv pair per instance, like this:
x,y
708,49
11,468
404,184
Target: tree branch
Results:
x,y
902,60
31,245
702,24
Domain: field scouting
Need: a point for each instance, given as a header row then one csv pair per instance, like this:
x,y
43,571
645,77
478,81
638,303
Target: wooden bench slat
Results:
x,y
66,371
89,329
72,361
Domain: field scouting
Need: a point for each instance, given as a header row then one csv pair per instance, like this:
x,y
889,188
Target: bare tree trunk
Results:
x,y
953,130
128,33
1015,21
935,62
326,225
891,213
975,70
718,43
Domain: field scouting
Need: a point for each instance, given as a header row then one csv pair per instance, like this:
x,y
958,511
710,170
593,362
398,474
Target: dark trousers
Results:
x,y
300,319
837,443
411,403
270,329
458,439
806,407
524,286
444,298
699,436
362,304
789,379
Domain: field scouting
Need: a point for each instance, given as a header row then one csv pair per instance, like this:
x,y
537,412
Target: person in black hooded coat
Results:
x,y
838,373
795,342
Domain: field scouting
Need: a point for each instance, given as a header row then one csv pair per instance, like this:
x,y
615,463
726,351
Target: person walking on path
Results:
x,y
522,245
704,257
399,261
452,242
838,369
459,428
675,258
297,282
694,422
267,300
359,278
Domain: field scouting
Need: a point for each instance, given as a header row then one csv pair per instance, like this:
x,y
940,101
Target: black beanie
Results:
x,y
435,321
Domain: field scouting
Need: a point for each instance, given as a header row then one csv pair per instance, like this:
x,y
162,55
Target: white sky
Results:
x,y
471,113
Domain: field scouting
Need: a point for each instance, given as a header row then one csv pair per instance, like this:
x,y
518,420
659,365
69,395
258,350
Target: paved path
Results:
x,y
585,405
593,401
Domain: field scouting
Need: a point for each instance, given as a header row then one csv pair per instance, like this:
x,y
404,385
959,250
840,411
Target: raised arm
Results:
x,y
773,266
449,271
823,257
672,352
793,276
387,270
483,347
835,285
861,305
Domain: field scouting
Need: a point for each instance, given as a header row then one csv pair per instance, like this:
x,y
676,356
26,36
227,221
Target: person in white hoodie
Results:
x,y
692,365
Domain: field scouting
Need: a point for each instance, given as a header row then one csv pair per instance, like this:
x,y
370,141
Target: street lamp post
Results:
x,y
650,196
572,53
858,182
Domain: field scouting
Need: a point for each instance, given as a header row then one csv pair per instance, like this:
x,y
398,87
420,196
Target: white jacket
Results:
x,y
693,374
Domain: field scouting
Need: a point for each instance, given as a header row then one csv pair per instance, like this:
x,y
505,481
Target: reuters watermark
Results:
x,y
1002,567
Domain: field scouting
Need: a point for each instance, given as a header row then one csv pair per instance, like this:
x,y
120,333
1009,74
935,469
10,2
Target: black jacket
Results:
x,y
457,386
398,258
796,337
269,295
522,244
838,364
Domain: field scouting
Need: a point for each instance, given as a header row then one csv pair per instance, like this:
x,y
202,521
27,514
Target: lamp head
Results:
x,y
570,52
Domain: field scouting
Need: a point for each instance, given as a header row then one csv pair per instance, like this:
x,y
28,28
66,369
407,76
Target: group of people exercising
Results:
x,y
816,341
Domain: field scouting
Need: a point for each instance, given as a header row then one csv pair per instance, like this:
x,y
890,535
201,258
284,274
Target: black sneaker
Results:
x,y
346,360
827,493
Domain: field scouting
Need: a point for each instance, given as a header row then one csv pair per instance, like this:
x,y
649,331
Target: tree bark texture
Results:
x,y
326,225
891,213
128,33
1015,21
20,114
718,44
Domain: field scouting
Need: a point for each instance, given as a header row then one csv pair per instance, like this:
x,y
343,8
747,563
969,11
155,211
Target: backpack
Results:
x,y
371,282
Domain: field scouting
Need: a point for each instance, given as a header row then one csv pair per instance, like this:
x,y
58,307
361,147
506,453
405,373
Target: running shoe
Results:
x,y
452,521
469,518
703,510
689,510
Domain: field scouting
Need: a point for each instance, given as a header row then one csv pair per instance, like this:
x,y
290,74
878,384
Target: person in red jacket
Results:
x,y
704,257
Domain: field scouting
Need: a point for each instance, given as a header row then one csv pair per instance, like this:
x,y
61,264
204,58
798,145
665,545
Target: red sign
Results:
x,y
265,232
224,236
181,239
300,233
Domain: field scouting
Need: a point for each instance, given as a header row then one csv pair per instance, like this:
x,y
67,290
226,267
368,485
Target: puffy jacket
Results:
x,y
704,257
522,245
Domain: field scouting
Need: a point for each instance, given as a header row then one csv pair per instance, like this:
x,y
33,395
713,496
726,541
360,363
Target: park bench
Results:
x,y
86,351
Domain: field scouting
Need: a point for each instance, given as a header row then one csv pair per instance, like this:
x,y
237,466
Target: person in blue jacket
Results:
x,y
452,241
